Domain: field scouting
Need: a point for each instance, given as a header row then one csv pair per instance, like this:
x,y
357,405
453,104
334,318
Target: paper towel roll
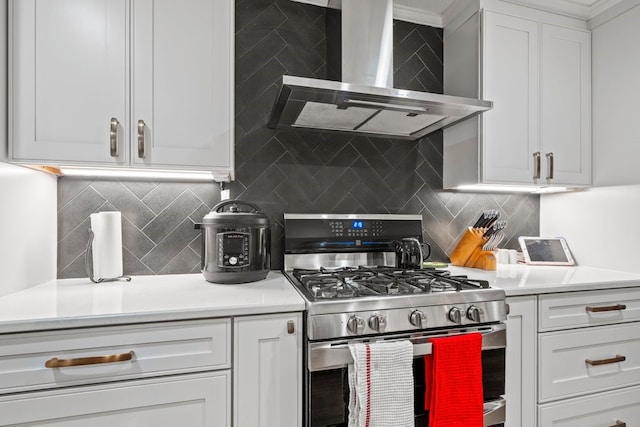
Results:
x,y
107,244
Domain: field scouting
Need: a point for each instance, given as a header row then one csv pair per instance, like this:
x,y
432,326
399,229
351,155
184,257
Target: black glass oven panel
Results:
x,y
329,391
346,235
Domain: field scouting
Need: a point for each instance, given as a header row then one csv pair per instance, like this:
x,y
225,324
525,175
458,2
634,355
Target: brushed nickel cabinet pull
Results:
x,y
536,165
549,166
93,360
141,139
616,359
291,327
617,307
113,137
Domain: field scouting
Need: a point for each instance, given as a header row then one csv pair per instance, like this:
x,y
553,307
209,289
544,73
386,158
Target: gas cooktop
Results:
x,y
380,281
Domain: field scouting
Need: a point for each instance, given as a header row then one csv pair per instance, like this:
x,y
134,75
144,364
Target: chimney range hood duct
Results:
x,y
365,102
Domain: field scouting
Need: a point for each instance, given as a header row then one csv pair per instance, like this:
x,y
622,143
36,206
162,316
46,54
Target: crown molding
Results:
x,y
595,12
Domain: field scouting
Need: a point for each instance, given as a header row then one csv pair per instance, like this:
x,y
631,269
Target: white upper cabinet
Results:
x,y
68,80
538,76
565,133
182,90
510,80
144,83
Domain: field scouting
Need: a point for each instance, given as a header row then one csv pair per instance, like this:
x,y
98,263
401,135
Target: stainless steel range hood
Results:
x,y
365,102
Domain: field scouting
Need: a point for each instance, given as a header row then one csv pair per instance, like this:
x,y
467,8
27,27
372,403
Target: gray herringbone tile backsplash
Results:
x,y
157,223
287,171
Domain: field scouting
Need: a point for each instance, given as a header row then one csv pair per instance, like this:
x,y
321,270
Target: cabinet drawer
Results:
x,y
612,352
598,410
589,308
153,349
194,400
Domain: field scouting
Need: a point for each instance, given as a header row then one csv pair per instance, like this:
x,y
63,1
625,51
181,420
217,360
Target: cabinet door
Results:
x,y
184,400
69,74
182,83
566,104
268,371
510,80
521,362
588,360
618,408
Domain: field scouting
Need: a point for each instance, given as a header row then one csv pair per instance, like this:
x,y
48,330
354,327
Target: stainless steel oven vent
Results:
x,y
365,102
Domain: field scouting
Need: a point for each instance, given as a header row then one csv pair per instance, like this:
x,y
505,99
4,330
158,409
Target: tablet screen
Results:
x,y
546,250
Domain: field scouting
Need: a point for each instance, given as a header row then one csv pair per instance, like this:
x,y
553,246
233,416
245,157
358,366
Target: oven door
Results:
x,y
327,386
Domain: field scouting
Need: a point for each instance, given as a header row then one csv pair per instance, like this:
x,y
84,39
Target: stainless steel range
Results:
x,y
345,268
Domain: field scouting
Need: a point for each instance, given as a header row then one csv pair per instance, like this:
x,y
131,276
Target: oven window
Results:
x,y
328,398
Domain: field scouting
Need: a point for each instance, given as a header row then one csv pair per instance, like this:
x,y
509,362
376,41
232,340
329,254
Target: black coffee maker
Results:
x,y
411,253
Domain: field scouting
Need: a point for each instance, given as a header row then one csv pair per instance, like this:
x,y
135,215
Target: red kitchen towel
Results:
x,y
453,375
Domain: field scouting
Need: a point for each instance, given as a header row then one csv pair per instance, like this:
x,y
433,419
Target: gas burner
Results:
x,y
382,281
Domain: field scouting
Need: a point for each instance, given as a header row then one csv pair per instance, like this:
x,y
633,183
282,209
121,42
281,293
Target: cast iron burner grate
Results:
x,y
352,282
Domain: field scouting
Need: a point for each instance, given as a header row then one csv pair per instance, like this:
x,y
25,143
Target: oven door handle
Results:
x,y
327,356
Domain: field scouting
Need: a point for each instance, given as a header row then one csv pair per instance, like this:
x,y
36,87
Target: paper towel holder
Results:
x,y
89,265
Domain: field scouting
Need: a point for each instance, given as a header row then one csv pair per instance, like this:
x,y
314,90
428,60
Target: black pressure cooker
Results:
x,y
236,243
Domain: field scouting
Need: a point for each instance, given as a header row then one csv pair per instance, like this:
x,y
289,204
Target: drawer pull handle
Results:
x,y
290,327
616,307
616,359
619,424
93,360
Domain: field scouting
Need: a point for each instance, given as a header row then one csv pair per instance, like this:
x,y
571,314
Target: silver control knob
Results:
x,y
378,322
418,319
474,313
455,315
355,325
233,260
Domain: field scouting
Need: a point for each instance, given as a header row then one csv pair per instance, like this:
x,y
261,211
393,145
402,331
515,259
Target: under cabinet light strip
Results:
x,y
144,174
510,188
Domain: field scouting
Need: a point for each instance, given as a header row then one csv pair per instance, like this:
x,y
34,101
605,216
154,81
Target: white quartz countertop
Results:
x,y
520,279
69,303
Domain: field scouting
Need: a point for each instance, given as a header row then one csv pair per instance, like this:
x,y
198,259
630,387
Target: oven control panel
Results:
x,y
356,228
362,323
233,249
313,233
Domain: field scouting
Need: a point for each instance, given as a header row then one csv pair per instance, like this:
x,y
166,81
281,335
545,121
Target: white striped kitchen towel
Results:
x,y
381,384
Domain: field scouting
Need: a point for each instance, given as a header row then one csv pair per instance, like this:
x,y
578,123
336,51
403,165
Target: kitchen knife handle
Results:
x,y
113,137
617,307
549,166
536,165
92,360
599,362
141,126
619,424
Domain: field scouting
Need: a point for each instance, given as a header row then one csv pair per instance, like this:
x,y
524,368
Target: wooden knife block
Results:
x,y
468,252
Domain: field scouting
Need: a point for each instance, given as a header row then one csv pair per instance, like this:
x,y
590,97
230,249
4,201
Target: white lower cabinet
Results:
x,y
521,374
147,375
589,359
580,362
185,400
268,371
611,409
178,373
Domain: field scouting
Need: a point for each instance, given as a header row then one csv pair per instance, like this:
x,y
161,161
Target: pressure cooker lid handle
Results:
x,y
220,206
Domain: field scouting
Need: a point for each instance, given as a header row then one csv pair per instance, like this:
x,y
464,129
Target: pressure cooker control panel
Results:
x,y
233,249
